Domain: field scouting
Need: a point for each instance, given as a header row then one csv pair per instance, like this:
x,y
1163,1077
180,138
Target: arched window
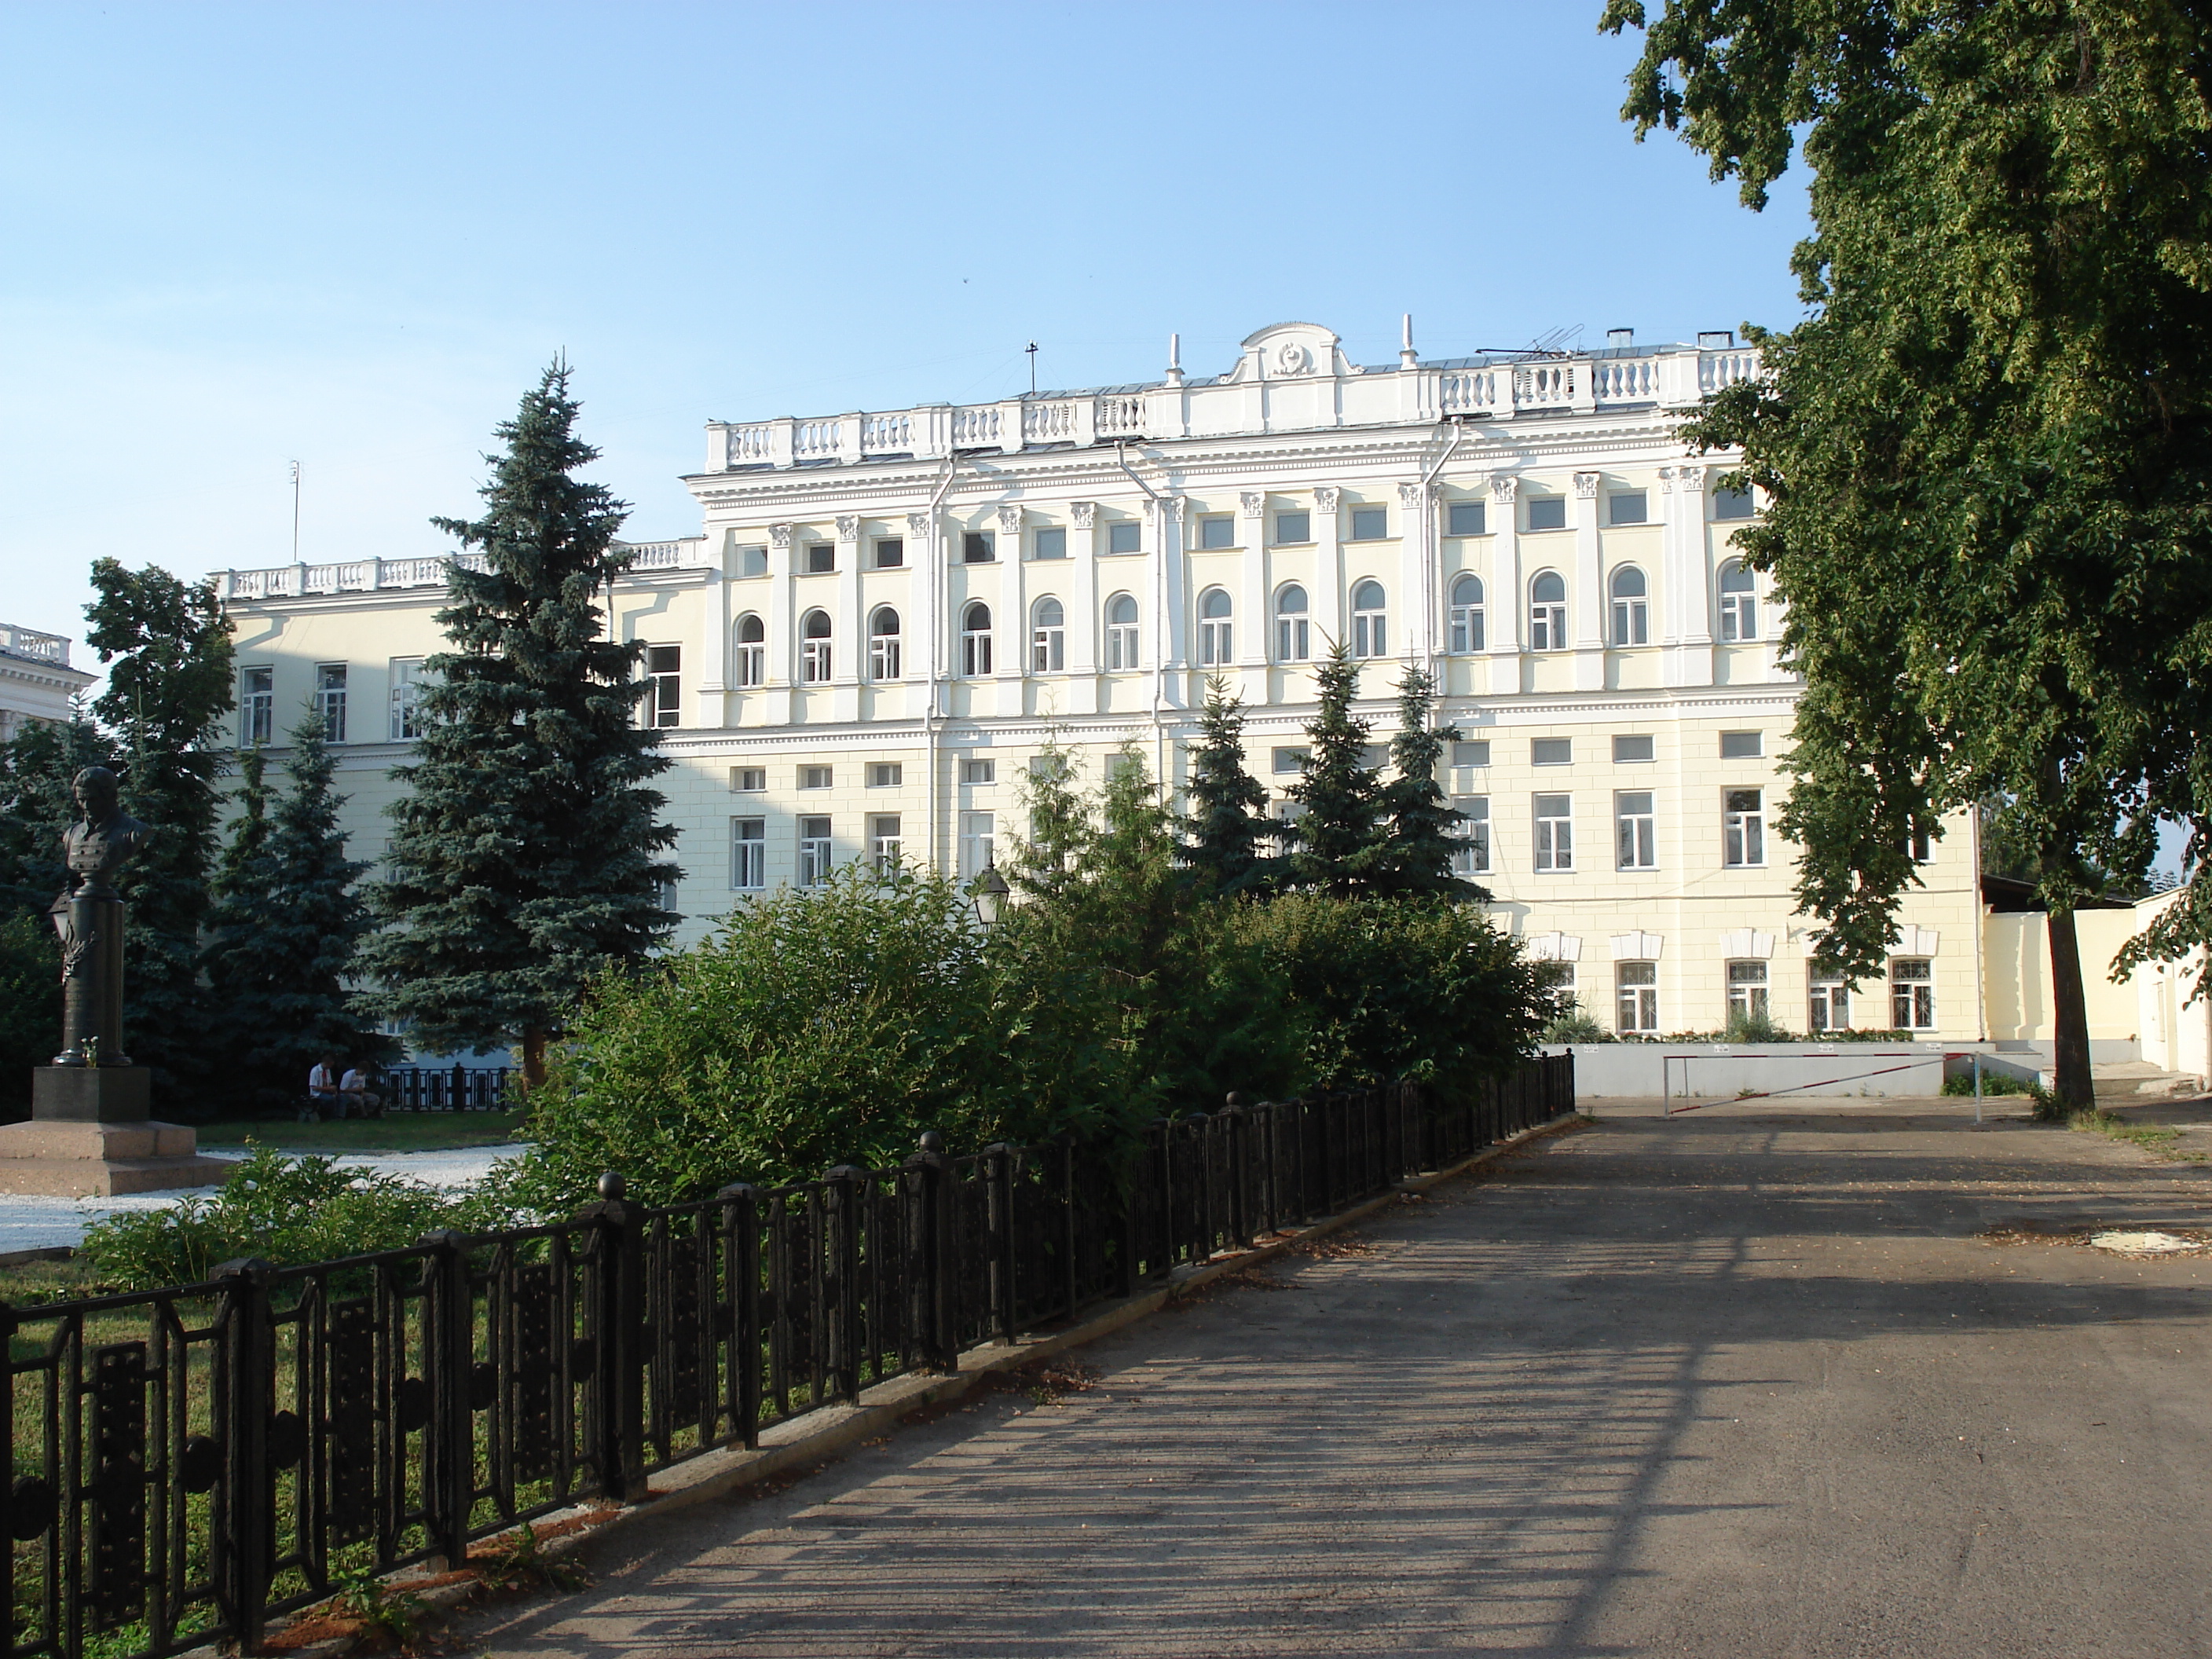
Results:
x,y
1293,642
1547,611
1367,620
1630,609
884,644
976,639
1739,602
752,651
1120,632
1048,637
1215,647
814,649
1466,614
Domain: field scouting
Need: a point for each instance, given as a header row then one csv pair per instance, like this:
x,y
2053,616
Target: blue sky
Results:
x,y
244,234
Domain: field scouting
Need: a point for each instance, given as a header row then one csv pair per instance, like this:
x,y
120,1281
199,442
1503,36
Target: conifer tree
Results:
x,y
1419,844
1339,836
525,857
1228,832
1040,864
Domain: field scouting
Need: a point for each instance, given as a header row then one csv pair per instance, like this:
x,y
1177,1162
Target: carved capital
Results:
x,y
1253,502
781,535
1409,496
848,527
1503,486
1009,518
1085,514
1691,478
1666,481
1586,485
1174,504
1325,498
917,526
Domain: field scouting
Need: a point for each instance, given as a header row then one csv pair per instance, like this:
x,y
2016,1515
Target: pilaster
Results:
x,y
1084,621
1685,628
848,641
1009,613
1172,628
782,627
1329,599
1587,600
1508,605
1417,581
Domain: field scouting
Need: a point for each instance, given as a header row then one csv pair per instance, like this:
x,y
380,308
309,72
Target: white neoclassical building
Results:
x,y
36,680
885,616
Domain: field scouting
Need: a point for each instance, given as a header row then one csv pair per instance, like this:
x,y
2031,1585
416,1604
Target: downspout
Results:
x,y
941,577
1159,622
1433,546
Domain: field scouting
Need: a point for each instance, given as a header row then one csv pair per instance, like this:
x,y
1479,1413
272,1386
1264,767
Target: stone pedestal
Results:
x,y
90,1094
89,1137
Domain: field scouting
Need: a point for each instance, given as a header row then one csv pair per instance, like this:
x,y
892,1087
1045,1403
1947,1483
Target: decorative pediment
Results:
x,y
1554,947
1638,947
1291,351
1914,942
1746,944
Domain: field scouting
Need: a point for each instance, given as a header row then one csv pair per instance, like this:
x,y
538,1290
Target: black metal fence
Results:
x,y
189,1462
445,1088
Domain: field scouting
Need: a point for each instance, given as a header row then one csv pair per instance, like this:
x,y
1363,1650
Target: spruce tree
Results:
x,y
1229,835
1418,842
525,861
1339,836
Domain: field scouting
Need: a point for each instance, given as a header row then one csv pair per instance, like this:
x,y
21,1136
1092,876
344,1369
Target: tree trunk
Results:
x,y
534,1051
2069,1016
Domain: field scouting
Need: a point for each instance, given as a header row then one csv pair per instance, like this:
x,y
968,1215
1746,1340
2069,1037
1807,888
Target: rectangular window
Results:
x,y
884,840
749,779
1466,518
816,777
406,693
752,561
1370,524
1732,503
1830,1009
1291,528
664,696
1552,751
821,558
1743,746
1920,844
1217,532
1747,992
1555,832
1639,827
1628,506
891,552
814,852
1288,760
330,700
1913,993
1050,765
886,775
1547,513
1475,752
1049,544
256,706
1626,747
979,771
1472,856
1743,827
1638,987
976,547
978,842
749,854
1126,537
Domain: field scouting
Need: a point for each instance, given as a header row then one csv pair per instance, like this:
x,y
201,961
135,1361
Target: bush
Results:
x,y
1571,1024
30,1008
1757,1028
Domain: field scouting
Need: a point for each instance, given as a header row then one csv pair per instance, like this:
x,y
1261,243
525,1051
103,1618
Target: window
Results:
x,y
814,852
752,651
749,854
1050,764
1743,827
1555,832
1920,844
749,779
816,777
1628,506
978,547
1472,856
1747,992
1547,513
664,685
1547,611
1288,760
1739,602
1637,985
330,700
1475,753
406,694
1121,766
1830,1009
884,840
1913,993
978,840
891,552
1048,637
976,639
1552,751
821,558
1626,747
1217,532
1466,519
1120,633
1215,647
1467,615
1367,620
1639,845
256,706
814,649
1742,745
1732,503
1293,643
886,775
1126,537
884,644
1631,608
979,771
1560,979
752,561
1291,528
1370,524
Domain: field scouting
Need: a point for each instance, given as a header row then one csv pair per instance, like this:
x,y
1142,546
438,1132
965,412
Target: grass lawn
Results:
x,y
395,1131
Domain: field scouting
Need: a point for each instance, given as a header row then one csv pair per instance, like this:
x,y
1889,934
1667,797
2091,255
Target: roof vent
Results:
x,y
1717,339
1620,337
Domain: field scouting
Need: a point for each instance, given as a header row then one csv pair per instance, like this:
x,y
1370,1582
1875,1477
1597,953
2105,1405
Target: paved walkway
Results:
x,y
1743,1382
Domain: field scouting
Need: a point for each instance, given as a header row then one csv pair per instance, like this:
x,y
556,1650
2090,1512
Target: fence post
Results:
x,y
845,1181
741,1284
1238,1158
243,1548
1072,1226
940,1289
998,1159
618,1368
451,1477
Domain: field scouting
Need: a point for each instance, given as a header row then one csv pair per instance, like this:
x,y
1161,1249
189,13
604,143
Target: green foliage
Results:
x,y
1419,841
1757,1027
1993,1083
36,766
524,861
284,1210
1337,842
389,1616
1575,1026
30,1008
1228,832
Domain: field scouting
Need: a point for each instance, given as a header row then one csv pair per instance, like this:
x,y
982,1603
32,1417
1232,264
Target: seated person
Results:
x,y
323,1086
355,1093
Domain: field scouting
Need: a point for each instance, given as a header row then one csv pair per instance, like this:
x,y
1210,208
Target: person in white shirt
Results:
x,y
353,1093
323,1087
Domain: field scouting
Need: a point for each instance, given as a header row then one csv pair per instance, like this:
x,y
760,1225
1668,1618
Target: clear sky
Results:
x,y
238,236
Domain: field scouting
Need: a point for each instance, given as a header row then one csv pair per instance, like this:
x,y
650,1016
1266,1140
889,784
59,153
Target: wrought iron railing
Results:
x,y
189,1463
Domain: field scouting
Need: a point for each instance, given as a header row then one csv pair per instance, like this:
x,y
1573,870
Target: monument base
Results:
x,y
90,1094
59,1158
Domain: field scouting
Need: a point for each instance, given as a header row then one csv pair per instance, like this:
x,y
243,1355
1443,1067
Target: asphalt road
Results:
x,y
1747,1382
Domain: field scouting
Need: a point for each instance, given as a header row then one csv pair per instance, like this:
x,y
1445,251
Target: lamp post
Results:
x,y
989,891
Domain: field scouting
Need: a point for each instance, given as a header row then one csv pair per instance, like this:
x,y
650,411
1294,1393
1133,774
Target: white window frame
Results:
x,y
752,655
884,653
1293,628
662,706
1548,617
1911,994
1466,617
1636,997
1748,987
1370,623
748,854
1225,524
1123,640
885,844
1048,636
886,775
1827,1002
974,642
1555,834
1369,534
814,657
405,698
330,679
1738,603
1631,611
1131,531
1636,826
1216,628
979,834
1472,856
1743,829
817,850
256,706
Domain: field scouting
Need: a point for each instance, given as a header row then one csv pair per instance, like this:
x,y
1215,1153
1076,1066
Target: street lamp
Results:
x,y
989,891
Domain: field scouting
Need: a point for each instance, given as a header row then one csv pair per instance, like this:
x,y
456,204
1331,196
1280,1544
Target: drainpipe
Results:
x,y
941,577
1433,546
1159,620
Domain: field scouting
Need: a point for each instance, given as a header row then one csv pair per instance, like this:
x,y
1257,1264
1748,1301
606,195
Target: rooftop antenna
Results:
x,y
1032,349
295,513
1175,359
